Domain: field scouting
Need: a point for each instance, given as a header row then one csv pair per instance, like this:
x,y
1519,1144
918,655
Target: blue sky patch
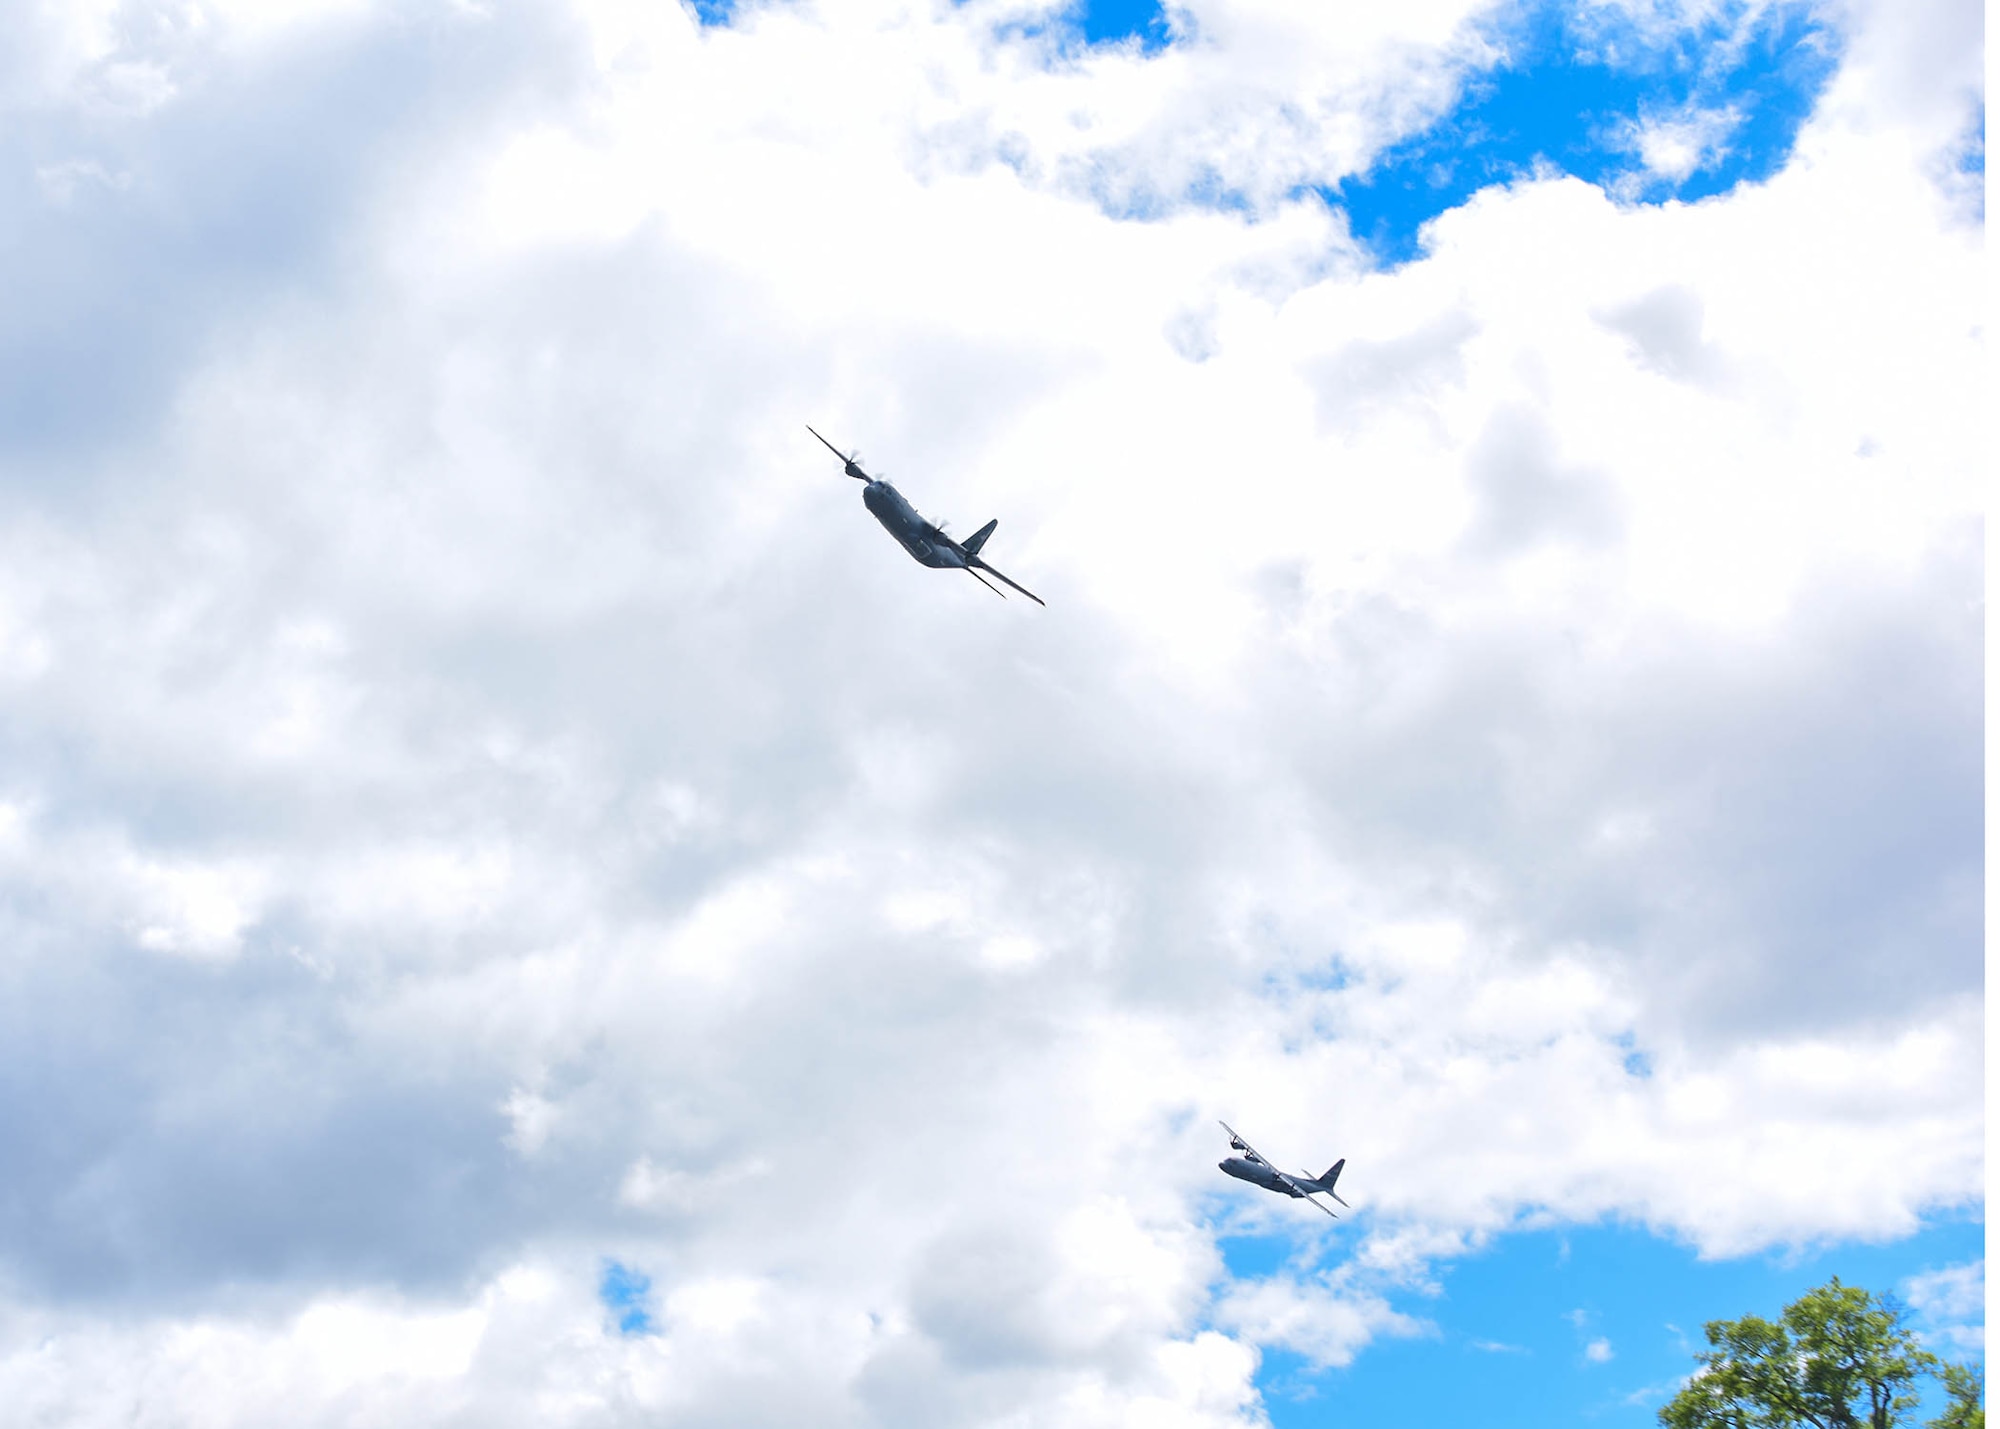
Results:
x,y
1592,1324
1972,158
1109,21
1099,22
1255,1257
1649,119
1972,161
627,1294
713,12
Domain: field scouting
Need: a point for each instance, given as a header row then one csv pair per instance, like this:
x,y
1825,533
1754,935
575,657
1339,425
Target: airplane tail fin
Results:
x,y
1332,1175
977,539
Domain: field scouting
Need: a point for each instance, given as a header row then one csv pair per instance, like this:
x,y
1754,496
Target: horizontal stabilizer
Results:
x,y
977,539
974,562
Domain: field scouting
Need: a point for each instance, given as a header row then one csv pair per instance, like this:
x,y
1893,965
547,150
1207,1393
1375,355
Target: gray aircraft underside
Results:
x,y
924,540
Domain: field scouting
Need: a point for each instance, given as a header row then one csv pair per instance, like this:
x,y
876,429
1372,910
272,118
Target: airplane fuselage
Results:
x,y
1258,1174
916,535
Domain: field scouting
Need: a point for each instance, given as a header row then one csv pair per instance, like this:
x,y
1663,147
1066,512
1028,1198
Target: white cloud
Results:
x,y
533,1117
1678,145
1950,1307
1957,1291
585,836
1327,1320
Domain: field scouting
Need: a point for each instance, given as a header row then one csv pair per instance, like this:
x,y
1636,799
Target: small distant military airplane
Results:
x,y
1258,1172
928,543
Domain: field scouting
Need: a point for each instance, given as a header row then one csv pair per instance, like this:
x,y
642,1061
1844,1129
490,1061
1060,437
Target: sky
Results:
x,y
522,906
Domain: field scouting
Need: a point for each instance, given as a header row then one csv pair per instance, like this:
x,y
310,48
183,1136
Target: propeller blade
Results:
x,y
850,464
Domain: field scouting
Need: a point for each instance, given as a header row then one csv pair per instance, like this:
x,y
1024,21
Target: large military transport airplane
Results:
x,y
1258,1172
928,543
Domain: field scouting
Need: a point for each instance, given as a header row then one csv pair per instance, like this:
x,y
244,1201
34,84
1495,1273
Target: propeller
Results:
x,y
852,464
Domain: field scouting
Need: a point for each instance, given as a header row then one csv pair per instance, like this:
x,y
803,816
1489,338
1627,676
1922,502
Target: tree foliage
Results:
x,y
1837,1358
1965,1385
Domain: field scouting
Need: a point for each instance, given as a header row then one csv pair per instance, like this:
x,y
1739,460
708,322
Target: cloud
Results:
x,y
1316,1321
1522,497
484,804
1950,1307
1676,146
1664,328
1367,376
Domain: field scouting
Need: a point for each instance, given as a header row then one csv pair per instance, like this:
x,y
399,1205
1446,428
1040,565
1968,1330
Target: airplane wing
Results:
x,y
972,561
852,463
1306,1196
1299,1185
985,582
1239,1144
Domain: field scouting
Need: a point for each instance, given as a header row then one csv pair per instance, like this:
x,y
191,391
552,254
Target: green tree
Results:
x,y
1837,1358
1965,1387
